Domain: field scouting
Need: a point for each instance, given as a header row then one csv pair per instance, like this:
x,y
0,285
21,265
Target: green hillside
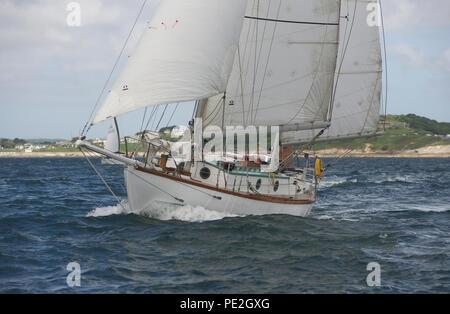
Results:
x,y
425,124
403,132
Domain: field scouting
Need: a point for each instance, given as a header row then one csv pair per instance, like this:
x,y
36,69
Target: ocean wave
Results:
x,y
325,217
328,183
394,178
336,217
119,209
430,208
163,211
376,179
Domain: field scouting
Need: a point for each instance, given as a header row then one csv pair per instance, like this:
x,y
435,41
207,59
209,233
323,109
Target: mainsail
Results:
x,y
358,83
283,72
186,54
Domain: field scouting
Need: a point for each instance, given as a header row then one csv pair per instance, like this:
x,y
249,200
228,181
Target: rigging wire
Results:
x,y
143,120
112,192
252,120
194,112
339,158
146,126
87,126
216,107
378,78
101,204
241,85
154,117
157,187
162,115
267,62
255,65
215,112
103,180
247,66
385,64
344,52
343,57
174,110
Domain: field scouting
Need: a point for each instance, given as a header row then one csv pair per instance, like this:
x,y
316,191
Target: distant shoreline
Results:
x,y
321,154
386,155
438,151
45,155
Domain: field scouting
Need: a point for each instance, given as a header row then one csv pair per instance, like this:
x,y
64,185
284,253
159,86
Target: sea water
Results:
x,y
392,212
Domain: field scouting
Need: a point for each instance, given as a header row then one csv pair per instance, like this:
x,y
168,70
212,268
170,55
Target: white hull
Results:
x,y
145,188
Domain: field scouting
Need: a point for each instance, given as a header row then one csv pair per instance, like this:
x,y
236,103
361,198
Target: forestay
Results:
x,y
185,54
358,95
283,72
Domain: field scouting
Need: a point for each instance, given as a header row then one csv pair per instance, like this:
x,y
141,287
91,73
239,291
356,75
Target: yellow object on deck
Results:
x,y
320,171
272,176
163,162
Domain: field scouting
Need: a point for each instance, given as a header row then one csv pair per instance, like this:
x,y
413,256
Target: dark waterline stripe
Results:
x,y
287,21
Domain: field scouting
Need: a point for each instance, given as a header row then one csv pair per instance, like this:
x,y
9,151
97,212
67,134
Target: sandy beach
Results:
x,y
442,151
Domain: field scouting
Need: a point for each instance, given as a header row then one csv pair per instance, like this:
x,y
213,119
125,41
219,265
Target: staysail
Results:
x,y
185,54
357,100
283,72
112,142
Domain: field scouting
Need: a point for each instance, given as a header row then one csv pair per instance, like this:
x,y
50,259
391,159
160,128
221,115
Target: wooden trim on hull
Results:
x,y
263,198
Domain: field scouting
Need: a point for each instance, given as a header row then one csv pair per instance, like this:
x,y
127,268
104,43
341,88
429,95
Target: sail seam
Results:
x,y
289,21
361,72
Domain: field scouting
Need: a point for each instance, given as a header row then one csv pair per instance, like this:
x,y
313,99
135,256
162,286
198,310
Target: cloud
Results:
x,y
445,60
401,15
411,56
34,34
415,58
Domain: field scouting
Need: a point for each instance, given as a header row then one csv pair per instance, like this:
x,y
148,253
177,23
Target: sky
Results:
x,y
51,73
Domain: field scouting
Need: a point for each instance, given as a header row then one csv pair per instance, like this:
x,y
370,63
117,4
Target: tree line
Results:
x,y
7,143
422,123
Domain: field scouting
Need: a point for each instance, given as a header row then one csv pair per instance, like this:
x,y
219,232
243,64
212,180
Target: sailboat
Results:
x,y
313,68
